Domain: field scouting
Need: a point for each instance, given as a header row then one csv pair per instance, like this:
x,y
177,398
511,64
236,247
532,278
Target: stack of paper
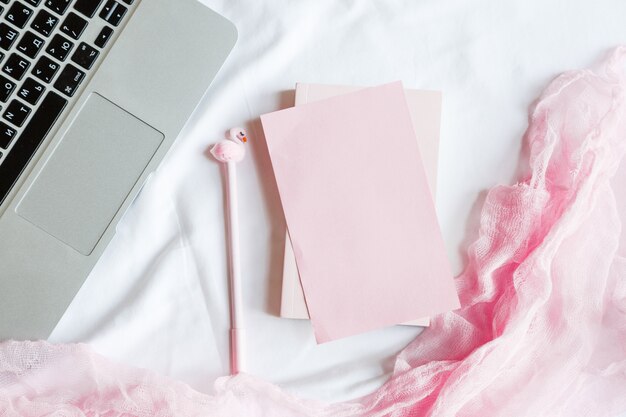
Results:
x,y
359,211
425,109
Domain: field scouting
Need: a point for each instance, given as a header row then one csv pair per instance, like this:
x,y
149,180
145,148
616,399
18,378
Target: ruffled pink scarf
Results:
x,y
543,327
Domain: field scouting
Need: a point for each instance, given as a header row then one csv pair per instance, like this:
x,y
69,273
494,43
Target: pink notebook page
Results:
x,y
359,212
425,109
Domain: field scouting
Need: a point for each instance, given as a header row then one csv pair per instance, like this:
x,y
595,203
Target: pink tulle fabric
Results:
x,y
543,327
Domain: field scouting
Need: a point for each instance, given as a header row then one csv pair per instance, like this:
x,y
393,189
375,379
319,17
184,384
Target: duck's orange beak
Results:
x,y
245,139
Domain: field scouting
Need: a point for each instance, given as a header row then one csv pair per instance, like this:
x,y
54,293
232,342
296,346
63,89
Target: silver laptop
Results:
x,y
92,95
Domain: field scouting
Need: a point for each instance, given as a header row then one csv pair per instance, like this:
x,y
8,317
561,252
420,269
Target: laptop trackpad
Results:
x,y
90,174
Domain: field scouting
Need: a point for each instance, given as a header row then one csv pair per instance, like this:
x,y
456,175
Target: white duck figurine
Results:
x,y
232,149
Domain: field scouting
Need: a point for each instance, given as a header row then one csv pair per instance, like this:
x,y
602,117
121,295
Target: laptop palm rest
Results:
x,y
90,173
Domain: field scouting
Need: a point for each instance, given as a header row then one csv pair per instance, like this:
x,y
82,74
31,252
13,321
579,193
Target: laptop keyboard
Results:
x,y
47,50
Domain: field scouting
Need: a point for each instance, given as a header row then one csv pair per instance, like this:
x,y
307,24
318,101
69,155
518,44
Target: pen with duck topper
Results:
x,y
230,152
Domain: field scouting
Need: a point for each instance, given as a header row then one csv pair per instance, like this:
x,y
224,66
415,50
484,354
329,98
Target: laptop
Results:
x,y
92,95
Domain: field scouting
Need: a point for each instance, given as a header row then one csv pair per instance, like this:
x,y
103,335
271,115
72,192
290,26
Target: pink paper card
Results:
x,y
359,211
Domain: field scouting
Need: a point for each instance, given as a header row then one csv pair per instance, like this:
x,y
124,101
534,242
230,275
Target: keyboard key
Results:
x,y
87,7
28,142
69,80
33,2
31,91
103,37
108,8
16,66
129,2
85,55
45,69
7,133
60,47
30,44
44,22
59,6
16,113
18,14
113,12
1,56
6,88
7,36
73,25
5,1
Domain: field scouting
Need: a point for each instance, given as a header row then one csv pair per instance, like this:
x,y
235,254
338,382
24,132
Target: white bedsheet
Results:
x,y
158,297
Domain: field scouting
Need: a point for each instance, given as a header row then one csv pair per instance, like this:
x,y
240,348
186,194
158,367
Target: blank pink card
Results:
x,y
359,211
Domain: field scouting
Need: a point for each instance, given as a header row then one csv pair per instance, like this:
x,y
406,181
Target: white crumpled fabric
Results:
x,y
542,330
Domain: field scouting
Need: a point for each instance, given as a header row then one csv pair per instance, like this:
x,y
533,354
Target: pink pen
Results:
x,y
230,152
